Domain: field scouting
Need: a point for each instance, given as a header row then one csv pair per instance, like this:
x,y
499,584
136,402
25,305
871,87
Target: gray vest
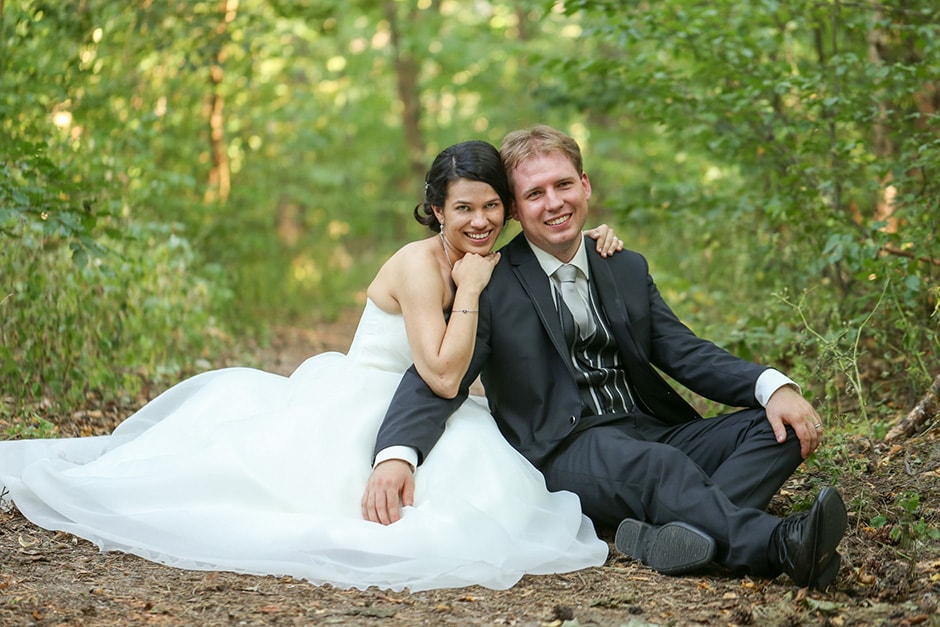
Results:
x,y
597,363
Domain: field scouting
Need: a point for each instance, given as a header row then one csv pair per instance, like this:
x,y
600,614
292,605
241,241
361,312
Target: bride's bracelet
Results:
x,y
466,311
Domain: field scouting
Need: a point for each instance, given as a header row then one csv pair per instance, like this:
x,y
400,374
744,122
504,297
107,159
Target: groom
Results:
x,y
569,346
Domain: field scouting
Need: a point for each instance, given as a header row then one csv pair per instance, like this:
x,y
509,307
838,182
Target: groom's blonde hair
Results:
x,y
522,144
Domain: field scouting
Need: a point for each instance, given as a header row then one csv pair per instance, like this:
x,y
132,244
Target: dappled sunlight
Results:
x,y
305,271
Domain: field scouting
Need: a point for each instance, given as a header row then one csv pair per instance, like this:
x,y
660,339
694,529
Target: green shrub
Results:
x,y
68,331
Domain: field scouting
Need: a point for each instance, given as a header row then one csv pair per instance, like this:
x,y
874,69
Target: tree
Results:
x,y
813,131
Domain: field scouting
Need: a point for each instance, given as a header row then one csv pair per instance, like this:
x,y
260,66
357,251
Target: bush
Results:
x,y
138,313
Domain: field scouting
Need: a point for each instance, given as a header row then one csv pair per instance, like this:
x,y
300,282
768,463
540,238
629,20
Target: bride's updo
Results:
x,y
472,160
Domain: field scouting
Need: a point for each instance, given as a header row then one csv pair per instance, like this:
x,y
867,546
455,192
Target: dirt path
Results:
x,y
887,578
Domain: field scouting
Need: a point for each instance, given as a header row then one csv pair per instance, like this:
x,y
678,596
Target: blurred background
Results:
x,y
180,178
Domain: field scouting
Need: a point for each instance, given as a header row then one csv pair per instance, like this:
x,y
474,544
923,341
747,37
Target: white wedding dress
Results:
x,y
247,471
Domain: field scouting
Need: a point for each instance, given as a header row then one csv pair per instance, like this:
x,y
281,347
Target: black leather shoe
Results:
x,y
805,544
671,549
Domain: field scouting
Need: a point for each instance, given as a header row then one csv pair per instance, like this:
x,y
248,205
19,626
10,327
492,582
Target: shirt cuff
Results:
x,y
404,453
769,382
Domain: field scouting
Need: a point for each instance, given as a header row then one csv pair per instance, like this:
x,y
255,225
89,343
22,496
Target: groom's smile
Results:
x,y
551,202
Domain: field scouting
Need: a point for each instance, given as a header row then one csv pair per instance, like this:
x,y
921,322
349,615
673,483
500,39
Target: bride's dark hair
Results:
x,y
472,160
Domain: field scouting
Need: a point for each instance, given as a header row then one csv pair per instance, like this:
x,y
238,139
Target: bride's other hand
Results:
x,y
390,487
607,241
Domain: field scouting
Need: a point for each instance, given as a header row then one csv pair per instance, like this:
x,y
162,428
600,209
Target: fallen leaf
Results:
x,y
865,578
374,612
821,605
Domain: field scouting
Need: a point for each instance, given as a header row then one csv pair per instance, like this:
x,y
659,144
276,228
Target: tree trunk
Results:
x,y
220,182
406,74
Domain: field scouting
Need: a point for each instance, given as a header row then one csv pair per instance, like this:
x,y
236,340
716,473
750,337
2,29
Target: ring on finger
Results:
x,y
818,426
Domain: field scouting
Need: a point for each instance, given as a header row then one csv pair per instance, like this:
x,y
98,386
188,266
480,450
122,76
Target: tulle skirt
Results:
x,y
251,472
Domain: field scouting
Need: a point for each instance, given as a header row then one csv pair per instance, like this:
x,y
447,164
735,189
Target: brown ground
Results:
x,y
886,579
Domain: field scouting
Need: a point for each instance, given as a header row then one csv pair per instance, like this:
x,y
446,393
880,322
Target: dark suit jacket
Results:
x,y
522,359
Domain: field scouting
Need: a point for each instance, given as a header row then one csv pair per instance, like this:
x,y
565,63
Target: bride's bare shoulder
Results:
x,y
401,266
418,247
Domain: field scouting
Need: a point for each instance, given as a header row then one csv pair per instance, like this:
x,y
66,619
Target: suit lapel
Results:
x,y
608,291
538,288
612,302
653,391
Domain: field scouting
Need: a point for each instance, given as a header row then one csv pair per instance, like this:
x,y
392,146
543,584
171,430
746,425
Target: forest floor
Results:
x,y
890,572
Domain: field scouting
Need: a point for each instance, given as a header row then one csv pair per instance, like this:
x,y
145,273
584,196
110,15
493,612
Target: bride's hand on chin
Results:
x,y
390,487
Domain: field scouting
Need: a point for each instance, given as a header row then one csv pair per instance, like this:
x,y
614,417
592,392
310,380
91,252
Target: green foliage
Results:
x,y
92,303
793,144
906,525
36,427
836,462
749,149
139,315
35,190
840,351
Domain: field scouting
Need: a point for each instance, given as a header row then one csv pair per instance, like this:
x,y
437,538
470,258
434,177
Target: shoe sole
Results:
x,y
831,523
672,549
828,573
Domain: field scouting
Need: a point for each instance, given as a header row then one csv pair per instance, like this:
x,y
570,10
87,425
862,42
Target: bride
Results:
x,y
247,471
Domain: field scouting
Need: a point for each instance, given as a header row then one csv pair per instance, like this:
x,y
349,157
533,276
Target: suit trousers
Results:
x,y
717,474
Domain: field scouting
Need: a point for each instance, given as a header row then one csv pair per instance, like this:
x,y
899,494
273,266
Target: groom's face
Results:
x,y
551,202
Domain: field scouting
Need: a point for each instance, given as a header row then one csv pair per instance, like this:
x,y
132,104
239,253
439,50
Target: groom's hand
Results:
x,y
391,487
788,407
